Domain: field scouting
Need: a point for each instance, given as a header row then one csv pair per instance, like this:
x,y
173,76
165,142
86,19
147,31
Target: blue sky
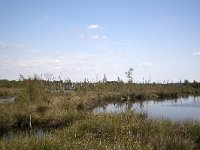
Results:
x,y
160,39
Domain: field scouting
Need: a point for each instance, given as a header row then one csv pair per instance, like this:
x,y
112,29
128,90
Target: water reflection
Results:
x,y
14,134
174,109
7,100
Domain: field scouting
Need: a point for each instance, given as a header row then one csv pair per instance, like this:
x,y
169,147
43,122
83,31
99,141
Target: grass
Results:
x,y
121,131
78,128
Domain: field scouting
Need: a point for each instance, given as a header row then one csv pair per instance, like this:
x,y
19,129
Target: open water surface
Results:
x,y
183,108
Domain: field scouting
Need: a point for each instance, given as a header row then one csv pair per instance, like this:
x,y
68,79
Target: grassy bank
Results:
x,y
122,131
78,128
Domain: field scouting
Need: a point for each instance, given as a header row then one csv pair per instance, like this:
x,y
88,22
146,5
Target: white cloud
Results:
x,y
104,37
98,37
11,46
82,36
75,65
146,63
32,62
95,37
78,68
196,53
54,61
57,67
93,26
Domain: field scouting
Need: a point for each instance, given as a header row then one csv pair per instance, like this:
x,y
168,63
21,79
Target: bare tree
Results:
x,y
129,75
104,78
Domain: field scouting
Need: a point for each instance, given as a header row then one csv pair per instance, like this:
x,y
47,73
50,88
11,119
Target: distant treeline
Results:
x,y
21,83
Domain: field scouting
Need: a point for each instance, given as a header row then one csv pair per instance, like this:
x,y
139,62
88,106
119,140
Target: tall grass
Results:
x,y
108,131
78,128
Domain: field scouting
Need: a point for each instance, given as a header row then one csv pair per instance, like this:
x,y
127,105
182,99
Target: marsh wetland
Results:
x,y
101,115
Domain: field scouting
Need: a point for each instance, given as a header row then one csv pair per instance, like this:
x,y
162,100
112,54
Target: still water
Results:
x,y
7,100
11,135
183,108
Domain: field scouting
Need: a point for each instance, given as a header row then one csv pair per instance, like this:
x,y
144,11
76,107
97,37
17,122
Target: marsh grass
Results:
x,y
78,128
109,131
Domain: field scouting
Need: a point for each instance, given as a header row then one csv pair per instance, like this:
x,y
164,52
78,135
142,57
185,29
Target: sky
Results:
x,y
77,39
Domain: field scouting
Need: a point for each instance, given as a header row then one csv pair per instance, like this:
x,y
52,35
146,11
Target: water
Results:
x,y
16,133
174,109
7,100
